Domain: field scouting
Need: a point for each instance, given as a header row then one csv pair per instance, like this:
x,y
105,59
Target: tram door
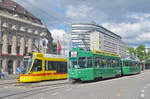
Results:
x,y
10,67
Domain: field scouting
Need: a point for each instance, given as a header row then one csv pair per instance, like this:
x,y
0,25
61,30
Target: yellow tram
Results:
x,y
41,67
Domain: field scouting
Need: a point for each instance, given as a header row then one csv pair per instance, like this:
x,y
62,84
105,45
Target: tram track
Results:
x,y
34,91
34,86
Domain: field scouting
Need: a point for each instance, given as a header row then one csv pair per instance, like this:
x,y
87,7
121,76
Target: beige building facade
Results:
x,y
20,32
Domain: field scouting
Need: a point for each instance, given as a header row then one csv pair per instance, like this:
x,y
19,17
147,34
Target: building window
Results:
x,y
18,49
9,49
18,27
18,40
26,42
9,39
26,29
19,63
33,30
26,50
0,48
9,25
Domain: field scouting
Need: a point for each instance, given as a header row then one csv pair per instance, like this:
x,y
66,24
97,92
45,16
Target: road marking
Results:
x,y
53,94
142,95
142,90
118,94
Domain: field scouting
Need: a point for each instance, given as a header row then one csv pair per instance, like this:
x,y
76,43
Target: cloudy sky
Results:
x,y
128,18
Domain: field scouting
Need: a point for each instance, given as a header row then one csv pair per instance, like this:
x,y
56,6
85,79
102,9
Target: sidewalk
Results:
x,y
8,81
8,78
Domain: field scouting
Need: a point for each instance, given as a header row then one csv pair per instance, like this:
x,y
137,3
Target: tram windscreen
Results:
x,y
27,62
73,64
77,63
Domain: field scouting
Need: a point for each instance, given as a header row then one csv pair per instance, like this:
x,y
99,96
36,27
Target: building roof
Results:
x,y
13,6
100,28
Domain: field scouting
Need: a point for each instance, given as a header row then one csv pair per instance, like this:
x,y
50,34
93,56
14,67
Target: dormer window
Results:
x,y
14,8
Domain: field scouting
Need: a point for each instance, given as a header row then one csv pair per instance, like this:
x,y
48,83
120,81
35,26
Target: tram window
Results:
x,y
50,65
37,66
72,64
82,62
103,62
126,64
61,67
114,63
97,62
117,63
89,61
130,64
109,62
134,64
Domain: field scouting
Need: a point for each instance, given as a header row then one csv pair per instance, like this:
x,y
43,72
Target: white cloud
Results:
x,y
79,11
57,34
144,37
132,33
139,16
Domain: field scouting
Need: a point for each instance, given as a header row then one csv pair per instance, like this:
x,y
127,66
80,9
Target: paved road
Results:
x,y
128,87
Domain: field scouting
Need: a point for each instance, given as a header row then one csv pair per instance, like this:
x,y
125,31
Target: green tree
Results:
x,y
141,52
147,58
132,50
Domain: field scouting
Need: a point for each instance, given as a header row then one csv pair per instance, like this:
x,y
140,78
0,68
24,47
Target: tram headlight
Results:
x,y
74,54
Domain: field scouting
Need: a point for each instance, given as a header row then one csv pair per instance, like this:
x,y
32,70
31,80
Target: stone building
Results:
x,y
91,36
20,30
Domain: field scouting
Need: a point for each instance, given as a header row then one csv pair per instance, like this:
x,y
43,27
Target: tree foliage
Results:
x,y
141,53
132,50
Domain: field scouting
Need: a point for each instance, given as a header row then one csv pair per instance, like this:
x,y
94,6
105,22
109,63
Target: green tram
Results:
x,y
92,65
130,67
95,65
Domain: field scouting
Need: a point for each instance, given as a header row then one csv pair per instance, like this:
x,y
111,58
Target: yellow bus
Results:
x,y
40,67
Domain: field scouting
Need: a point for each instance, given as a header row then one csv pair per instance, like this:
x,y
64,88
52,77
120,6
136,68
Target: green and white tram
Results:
x,y
91,65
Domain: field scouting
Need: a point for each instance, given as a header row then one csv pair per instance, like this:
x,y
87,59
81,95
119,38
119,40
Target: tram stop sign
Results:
x,y
18,69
